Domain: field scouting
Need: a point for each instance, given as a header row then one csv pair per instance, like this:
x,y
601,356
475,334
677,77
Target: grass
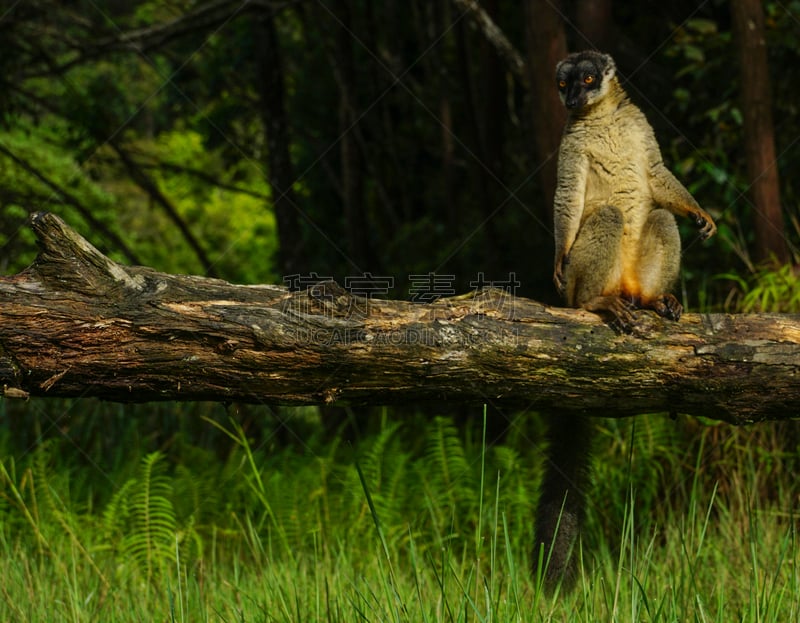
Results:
x,y
213,518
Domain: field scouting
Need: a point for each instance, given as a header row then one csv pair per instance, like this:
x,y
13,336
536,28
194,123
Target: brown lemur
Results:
x,y
617,250
617,243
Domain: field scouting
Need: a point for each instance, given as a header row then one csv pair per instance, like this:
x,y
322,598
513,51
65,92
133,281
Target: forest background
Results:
x,y
406,147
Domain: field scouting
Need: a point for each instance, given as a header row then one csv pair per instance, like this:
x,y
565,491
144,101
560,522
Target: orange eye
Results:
x,y
562,84
588,79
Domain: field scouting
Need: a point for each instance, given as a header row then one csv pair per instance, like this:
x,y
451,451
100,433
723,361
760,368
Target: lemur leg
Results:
x,y
659,264
562,502
593,270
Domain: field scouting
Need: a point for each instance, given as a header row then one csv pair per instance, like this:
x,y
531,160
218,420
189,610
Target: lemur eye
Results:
x,y
562,84
588,79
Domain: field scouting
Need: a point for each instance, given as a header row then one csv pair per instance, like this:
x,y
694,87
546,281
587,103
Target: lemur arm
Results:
x,y
669,193
568,205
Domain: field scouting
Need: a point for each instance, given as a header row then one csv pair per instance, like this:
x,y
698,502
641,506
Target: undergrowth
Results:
x,y
767,289
217,519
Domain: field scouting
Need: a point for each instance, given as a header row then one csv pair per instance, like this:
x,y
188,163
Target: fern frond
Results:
x,y
141,518
450,475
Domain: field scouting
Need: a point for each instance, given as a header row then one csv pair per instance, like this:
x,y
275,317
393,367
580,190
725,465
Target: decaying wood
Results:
x,y
77,324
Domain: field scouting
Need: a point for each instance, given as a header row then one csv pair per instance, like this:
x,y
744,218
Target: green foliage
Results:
x,y
231,221
455,473
140,519
769,289
41,175
709,150
707,153
419,521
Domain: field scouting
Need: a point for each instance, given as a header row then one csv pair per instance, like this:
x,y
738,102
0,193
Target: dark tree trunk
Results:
x,y
594,24
481,171
494,114
357,226
77,324
439,73
547,45
280,172
759,136
495,92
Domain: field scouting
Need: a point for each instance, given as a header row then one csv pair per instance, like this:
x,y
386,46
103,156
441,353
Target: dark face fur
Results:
x,y
583,77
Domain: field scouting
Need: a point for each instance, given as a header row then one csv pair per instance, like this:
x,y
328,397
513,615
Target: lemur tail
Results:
x,y
562,503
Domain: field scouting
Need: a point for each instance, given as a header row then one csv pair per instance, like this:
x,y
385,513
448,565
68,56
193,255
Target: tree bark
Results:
x,y
594,25
77,324
280,172
495,99
486,178
357,226
759,135
439,73
547,45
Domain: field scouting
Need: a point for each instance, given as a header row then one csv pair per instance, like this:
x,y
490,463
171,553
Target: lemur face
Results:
x,y
583,78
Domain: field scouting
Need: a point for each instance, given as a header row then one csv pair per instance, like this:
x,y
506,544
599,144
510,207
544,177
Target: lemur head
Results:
x,y
584,78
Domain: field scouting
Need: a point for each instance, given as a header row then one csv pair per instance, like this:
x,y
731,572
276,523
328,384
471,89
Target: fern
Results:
x,y
142,518
517,478
447,473
193,495
384,466
372,461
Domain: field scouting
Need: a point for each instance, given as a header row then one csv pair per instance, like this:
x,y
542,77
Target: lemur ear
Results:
x,y
610,67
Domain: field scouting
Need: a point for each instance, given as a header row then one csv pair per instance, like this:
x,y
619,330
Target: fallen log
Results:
x,y
75,323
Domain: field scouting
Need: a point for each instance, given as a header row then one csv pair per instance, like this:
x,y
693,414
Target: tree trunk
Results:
x,y
485,178
280,172
440,74
493,119
594,25
495,109
77,324
547,45
759,136
357,227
